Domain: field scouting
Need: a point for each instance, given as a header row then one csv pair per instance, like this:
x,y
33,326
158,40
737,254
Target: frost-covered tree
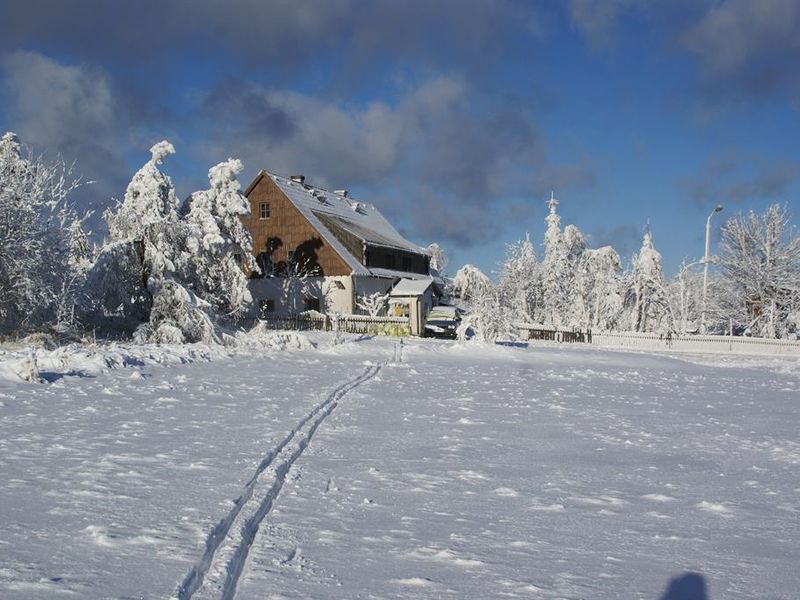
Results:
x,y
519,281
561,251
438,258
598,289
469,283
760,259
487,317
217,242
648,301
373,304
145,238
686,296
42,242
148,217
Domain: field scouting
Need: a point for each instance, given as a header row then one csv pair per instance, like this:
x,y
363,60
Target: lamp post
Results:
x,y
706,260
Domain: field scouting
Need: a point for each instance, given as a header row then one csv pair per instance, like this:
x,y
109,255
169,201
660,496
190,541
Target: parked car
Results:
x,y
442,322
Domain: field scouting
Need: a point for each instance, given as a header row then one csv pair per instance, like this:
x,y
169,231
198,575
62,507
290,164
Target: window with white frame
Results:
x,y
264,211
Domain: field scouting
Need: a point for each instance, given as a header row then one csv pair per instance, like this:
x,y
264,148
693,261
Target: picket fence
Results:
x,y
723,344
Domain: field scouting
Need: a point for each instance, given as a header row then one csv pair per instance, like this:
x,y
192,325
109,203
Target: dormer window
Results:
x,y
264,211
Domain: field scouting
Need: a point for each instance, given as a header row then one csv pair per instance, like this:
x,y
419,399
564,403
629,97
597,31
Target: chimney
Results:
x,y
342,193
298,178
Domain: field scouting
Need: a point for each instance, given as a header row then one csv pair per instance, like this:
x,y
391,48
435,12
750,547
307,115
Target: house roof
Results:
x,y
411,287
360,219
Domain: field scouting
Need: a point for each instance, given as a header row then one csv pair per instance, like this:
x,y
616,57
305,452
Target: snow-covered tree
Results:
x,y
145,238
648,301
686,296
556,271
373,304
438,258
760,258
217,242
148,217
598,289
42,242
487,317
519,281
469,283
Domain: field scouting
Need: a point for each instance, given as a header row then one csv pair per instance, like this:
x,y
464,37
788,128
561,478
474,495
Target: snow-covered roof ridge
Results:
x,y
359,218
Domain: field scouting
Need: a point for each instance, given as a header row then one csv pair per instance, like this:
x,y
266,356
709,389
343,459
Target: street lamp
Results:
x,y
706,260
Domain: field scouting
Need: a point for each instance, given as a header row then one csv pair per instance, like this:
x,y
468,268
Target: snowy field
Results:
x,y
349,471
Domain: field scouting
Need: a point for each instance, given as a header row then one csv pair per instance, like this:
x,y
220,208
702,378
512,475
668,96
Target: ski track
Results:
x,y
217,573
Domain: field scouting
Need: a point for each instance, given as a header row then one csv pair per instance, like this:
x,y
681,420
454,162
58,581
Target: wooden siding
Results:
x,y
288,230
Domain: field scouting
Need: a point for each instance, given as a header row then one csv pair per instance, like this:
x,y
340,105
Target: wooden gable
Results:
x,y
287,230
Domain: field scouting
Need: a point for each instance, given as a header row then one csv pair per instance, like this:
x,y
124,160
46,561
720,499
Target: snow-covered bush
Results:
x,y
178,316
42,242
116,296
373,304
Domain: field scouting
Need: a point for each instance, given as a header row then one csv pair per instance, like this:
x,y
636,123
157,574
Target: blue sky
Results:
x,y
456,117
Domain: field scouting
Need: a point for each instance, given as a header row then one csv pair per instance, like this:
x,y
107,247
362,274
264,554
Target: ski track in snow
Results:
x,y
227,547
461,471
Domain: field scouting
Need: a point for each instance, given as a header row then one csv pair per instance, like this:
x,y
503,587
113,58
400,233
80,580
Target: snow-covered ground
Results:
x,y
348,471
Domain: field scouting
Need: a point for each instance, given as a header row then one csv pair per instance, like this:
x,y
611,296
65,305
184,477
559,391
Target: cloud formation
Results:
x,y
72,111
442,151
278,33
731,179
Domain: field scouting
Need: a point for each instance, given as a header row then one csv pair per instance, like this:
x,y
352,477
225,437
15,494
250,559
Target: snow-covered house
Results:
x,y
322,250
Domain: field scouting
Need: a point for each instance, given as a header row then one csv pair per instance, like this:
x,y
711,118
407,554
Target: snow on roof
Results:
x,y
394,274
361,219
411,287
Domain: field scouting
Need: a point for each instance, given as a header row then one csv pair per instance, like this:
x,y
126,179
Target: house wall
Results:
x,y
286,230
335,294
418,308
366,286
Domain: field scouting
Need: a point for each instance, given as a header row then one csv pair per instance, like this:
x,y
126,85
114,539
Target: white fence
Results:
x,y
697,343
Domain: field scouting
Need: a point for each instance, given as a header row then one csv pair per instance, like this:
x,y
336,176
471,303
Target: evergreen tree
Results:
x,y
217,243
648,298
556,271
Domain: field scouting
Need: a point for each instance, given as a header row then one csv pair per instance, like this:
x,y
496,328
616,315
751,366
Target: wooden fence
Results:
x,y
358,324
565,336
654,341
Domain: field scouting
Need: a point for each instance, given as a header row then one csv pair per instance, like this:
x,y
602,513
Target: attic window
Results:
x,y
264,212
299,178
